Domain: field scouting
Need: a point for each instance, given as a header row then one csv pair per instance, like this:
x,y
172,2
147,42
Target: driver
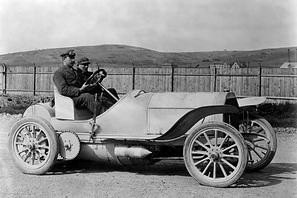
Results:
x,y
70,82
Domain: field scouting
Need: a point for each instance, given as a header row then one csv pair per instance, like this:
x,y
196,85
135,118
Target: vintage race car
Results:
x,y
212,132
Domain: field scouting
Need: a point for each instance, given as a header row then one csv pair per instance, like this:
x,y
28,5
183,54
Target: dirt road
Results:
x,y
164,179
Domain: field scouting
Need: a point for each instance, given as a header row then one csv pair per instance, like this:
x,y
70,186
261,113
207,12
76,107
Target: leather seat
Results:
x,y
65,109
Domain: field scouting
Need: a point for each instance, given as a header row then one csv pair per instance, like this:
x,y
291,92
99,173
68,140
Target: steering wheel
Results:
x,y
96,77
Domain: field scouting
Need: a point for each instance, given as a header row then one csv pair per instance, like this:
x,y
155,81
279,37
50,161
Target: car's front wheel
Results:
x,y
215,154
33,145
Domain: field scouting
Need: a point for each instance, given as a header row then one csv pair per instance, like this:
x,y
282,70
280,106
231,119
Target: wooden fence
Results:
x,y
271,82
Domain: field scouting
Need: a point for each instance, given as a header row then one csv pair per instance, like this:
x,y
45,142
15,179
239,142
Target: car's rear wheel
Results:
x,y
215,154
33,145
261,141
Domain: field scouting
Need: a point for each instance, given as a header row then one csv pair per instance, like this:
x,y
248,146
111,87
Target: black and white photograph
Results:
x,y
148,98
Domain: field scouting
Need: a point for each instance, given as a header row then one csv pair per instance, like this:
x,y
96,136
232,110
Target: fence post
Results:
x,y
5,78
133,78
34,79
215,80
172,77
2,76
260,80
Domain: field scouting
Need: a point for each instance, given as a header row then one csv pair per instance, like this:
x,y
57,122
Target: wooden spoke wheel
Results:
x,y
33,145
215,154
261,141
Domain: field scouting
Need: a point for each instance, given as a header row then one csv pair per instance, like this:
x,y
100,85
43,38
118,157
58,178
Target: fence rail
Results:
x,y
271,82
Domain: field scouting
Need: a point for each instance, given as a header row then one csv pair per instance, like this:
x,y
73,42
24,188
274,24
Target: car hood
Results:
x,y
140,114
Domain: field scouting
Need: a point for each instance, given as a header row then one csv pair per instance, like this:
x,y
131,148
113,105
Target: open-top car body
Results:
x,y
211,132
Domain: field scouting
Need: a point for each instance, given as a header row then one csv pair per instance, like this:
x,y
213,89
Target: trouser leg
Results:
x,y
88,100
85,100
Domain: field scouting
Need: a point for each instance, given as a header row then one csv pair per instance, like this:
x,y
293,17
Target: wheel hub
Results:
x,y
214,156
32,145
69,144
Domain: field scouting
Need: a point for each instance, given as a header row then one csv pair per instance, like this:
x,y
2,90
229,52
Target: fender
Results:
x,y
191,118
251,101
43,110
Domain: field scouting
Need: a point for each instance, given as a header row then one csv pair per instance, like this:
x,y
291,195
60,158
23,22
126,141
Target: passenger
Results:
x,y
70,82
82,67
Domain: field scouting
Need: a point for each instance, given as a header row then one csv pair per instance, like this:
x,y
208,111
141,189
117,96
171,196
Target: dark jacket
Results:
x,y
92,89
85,75
68,81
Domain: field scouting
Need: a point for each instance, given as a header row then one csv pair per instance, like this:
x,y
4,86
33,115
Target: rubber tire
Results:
x,y
52,140
192,169
270,134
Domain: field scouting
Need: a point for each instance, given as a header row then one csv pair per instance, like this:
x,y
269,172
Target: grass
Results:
x,y
17,104
277,114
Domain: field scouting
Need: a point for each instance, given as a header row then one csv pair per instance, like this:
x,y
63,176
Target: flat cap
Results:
x,y
83,61
70,53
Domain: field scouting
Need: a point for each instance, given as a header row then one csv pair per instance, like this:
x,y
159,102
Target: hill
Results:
x,y
123,55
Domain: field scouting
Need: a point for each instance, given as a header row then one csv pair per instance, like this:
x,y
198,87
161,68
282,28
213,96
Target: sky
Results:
x,y
161,25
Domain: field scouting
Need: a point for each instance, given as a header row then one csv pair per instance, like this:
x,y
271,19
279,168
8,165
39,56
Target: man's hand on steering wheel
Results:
x,y
84,87
99,75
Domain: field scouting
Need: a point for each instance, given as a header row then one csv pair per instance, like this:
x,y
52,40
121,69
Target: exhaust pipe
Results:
x,y
132,152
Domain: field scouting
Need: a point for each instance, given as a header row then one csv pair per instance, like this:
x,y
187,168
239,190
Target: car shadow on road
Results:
x,y
80,166
273,174
166,167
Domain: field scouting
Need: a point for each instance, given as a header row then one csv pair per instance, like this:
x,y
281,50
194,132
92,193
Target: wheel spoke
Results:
x,y
229,164
257,153
27,156
261,147
203,160
39,136
28,131
38,153
43,139
198,157
20,143
230,147
261,139
204,171
250,156
231,156
32,158
43,147
258,130
223,141
199,152
216,138
41,154
25,150
33,132
205,147
207,138
214,170
24,137
223,169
